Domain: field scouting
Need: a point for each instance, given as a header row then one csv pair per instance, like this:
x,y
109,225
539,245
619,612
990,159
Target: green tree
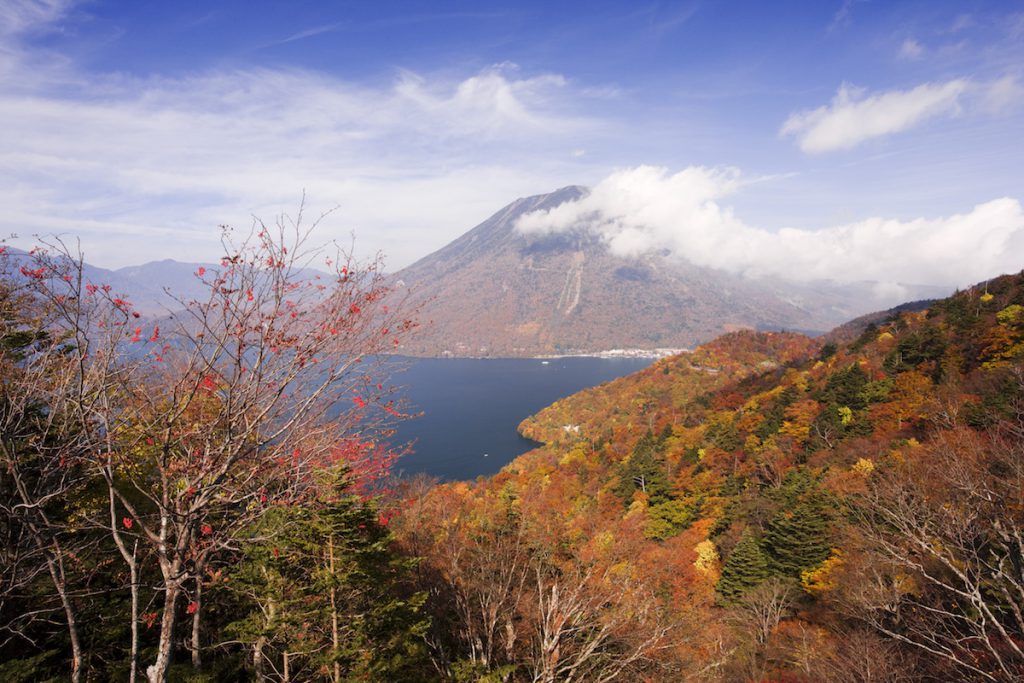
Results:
x,y
798,536
745,568
644,471
326,593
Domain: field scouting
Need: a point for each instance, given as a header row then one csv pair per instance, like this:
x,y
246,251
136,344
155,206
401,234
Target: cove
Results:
x,y
471,407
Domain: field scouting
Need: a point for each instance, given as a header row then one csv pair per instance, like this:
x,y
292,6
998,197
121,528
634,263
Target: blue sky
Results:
x,y
140,126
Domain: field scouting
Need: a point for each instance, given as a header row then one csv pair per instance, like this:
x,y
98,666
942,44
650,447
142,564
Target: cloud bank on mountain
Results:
x,y
648,208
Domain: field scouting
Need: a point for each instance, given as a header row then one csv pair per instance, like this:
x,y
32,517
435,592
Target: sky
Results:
x,y
844,139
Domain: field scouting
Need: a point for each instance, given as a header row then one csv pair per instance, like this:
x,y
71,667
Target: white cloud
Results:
x,y
1002,95
911,49
646,208
104,155
22,16
854,117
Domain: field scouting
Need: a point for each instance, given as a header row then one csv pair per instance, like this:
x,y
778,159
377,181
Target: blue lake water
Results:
x,y
471,407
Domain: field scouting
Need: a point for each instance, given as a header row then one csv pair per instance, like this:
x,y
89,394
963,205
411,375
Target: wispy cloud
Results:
x,y
853,116
642,209
310,32
843,16
912,50
23,16
179,156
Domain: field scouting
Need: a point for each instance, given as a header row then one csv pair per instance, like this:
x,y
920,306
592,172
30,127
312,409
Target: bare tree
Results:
x,y
755,619
197,424
944,561
594,626
40,456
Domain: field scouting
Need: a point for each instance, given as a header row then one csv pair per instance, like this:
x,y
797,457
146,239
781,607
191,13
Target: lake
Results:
x,y
471,407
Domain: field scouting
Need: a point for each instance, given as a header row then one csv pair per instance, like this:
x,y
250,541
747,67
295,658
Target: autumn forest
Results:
x,y
209,496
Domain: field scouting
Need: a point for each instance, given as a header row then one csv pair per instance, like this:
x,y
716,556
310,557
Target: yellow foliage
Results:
x,y
797,431
845,415
604,540
822,579
864,466
986,297
707,556
576,454
638,506
885,336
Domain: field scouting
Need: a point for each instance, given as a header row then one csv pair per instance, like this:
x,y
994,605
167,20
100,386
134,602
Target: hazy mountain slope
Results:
x,y
495,291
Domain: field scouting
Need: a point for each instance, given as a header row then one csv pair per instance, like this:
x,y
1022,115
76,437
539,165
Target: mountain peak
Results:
x,y
497,291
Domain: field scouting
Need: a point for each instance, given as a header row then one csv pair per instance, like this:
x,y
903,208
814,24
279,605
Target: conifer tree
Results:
x,y
797,537
746,567
644,471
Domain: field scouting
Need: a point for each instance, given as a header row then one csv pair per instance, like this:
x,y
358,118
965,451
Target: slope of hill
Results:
x,y
768,507
495,291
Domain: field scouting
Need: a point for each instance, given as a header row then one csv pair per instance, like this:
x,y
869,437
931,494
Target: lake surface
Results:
x,y
471,407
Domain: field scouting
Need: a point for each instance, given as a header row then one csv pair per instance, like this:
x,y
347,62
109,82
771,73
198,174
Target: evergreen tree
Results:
x,y
644,471
746,567
326,592
797,537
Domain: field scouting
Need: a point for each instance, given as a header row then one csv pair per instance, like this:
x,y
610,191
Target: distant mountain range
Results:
x,y
155,288
497,292
147,285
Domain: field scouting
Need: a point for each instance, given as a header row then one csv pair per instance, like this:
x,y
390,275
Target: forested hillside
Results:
x,y
768,507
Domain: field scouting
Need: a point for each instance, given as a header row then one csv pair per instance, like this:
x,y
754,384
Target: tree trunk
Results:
x,y
196,645
69,614
133,568
335,641
258,662
157,671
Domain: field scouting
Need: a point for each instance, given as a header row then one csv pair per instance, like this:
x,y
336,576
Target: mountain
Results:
x,y
155,288
495,291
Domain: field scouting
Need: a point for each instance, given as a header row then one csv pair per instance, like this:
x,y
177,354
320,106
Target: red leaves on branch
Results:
x,y
206,530
354,309
127,521
138,335
358,400
208,384
149,618
35,274
156,334
201,272
193,607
